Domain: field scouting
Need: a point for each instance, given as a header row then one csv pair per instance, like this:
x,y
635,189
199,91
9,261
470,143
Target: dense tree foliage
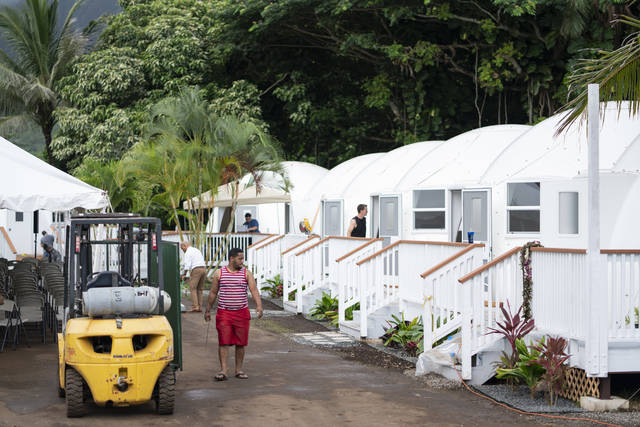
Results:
x,y
332,79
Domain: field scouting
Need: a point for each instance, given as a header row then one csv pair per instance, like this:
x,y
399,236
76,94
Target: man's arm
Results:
x,y
253,288
186,264
255,227
352,225
213,293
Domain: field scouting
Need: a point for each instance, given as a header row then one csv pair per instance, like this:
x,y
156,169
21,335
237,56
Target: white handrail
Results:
x,y
623,274
290,266
442,293
485,290
559,297
348,277
392,274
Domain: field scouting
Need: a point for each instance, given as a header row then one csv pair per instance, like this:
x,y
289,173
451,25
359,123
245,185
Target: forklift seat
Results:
x,y
107,279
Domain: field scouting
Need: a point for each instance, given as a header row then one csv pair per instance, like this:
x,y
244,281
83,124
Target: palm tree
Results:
x,y
188,151
41,51
617,72
243,149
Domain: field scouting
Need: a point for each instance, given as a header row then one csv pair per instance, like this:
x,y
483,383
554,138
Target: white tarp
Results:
x,y
28,183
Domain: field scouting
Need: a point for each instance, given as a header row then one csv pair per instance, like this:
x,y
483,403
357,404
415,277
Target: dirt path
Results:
x,y
289,384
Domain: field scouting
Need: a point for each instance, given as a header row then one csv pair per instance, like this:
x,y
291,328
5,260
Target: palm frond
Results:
x,y
617,72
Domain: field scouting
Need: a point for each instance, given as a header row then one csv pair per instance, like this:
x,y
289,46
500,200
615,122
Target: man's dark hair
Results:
x,y
234,252
361,207
248,214
44,232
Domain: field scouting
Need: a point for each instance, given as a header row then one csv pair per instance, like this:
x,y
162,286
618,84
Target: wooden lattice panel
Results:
x,y
577,384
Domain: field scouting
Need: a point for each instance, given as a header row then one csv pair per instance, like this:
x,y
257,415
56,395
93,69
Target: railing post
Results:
x,y
341,298
298,278
427,319
465,350
363,271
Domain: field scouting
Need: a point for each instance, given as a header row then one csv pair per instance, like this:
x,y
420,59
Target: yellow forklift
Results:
x,y
121,338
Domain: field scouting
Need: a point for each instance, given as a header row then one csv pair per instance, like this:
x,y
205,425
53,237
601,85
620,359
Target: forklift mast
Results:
x,y
132,231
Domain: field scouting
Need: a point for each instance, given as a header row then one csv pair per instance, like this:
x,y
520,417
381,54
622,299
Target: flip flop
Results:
x,y
220,377
242,376
194,310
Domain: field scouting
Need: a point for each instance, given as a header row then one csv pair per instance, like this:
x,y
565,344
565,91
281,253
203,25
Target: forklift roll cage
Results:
x,y
80,262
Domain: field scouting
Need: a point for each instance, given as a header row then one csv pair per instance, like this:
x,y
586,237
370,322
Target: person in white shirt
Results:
x,y
194,265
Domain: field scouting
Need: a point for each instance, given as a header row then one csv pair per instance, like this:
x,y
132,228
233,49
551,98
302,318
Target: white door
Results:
x,y
476,215
332,218
389,216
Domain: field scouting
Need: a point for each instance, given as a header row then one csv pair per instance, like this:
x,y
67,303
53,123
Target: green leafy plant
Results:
x,y
404,334
527,370
552,358
348,313
636,317
327,304
274,287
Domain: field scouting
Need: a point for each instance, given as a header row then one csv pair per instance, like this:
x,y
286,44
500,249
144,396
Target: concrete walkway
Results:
x,y
290,384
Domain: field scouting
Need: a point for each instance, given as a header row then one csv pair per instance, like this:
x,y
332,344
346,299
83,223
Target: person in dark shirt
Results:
x,y
358,224
251,225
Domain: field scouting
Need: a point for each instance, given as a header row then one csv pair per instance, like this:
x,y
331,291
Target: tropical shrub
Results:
x,y
552,358
274,287
324,306
526,370
404,334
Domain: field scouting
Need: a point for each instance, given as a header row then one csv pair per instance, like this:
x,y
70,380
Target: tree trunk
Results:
x,y
46,131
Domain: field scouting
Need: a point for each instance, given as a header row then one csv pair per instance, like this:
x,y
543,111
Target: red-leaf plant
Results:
x,y
513,328
553,357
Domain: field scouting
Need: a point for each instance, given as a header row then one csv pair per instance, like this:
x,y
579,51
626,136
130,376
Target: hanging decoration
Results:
x,y
527,283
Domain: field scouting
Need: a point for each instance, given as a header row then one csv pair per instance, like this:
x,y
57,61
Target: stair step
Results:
x,y
290,306
351,327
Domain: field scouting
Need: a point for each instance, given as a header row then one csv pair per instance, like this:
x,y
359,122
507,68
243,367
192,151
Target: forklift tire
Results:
x,y
165,391
60,389
75,394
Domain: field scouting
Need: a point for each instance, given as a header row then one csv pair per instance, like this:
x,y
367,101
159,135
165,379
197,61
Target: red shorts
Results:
x,y
233,326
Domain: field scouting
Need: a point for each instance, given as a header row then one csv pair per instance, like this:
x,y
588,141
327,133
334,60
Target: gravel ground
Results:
x,y
521,398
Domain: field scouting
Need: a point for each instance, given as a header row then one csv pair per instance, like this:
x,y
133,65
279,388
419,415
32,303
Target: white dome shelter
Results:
x,y
380,178
324,205
426,202
539,183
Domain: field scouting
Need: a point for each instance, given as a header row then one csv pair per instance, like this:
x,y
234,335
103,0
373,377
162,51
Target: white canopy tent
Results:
x,y
28,184
273,190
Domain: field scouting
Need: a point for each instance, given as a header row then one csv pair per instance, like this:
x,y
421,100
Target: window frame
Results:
x,y
442,209
537,208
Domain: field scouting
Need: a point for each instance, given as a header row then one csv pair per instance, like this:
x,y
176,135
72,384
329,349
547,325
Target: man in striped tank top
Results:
x,y
230,285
